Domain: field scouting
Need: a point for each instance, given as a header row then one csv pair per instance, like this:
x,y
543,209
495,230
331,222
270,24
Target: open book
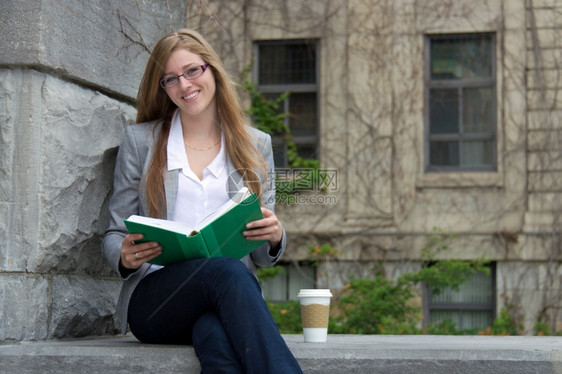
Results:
x,y
217,235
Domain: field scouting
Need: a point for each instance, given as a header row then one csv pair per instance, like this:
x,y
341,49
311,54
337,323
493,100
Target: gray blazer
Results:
x,y
128,198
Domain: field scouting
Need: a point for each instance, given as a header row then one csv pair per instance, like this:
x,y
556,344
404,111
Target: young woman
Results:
x,y
191,145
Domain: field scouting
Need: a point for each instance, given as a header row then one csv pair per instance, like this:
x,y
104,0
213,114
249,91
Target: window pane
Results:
x,y
476,319
443,111
287,64
279,151
302,114
461,58
471,307
307,150
444,153
478,110
273,96
477,153
476,289
440,315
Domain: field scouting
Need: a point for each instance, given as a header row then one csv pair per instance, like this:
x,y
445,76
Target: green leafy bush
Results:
x,y
287,316
504,324
376,306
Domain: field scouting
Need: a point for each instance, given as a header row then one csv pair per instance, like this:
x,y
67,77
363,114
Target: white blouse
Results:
x,y
196,198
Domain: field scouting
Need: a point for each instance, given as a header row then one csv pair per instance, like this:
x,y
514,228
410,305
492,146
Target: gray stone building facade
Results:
x,y
435,114
369,84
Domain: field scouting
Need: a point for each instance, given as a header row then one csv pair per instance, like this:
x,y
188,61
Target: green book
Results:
x,y
217,235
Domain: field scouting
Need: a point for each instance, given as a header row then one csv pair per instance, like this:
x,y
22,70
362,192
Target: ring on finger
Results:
x,y
137,255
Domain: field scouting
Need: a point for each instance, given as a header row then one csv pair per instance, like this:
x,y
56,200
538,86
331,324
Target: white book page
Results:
x,y
164,224
242,194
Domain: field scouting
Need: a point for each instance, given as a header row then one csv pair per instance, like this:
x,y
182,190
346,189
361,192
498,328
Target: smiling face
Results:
x,y
193,97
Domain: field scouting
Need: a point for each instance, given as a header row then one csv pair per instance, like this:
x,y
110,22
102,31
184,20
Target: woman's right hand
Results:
x,y
134,255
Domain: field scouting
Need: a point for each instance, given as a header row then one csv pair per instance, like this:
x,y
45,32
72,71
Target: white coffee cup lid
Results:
x,y
314,293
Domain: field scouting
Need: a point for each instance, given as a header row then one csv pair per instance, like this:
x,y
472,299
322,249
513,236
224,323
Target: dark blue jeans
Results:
x,y
216,305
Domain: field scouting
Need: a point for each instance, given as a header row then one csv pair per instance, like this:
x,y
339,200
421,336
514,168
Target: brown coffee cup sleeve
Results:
x,y
315,315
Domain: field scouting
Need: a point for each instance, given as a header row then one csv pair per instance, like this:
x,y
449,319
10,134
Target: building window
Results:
x,y
460,103
286,286
469,308
291,66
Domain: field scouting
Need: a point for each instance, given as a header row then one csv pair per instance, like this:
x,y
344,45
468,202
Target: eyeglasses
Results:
x,y
191,73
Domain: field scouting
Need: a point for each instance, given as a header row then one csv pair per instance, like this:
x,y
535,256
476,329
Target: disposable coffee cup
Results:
x,y
315,313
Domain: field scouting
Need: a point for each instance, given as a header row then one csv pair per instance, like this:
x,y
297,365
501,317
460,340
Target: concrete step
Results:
x,y
383,354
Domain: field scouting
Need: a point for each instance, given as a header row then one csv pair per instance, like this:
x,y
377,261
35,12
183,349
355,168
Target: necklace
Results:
x,y
201,149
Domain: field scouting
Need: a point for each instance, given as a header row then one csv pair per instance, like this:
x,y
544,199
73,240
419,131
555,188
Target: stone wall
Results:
x,y
537,284
69,72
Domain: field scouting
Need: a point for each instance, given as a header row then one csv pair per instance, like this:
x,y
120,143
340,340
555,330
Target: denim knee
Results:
x,y
231,268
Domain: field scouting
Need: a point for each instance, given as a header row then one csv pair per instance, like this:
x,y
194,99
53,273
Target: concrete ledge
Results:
x,y
385,354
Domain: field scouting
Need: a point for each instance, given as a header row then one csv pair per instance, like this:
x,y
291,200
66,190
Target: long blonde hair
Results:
x,y
153,104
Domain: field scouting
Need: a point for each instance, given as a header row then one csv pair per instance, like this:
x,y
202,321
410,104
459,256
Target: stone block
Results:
x,y
544,140
83,307
545,181
83,129
539,247
24,308
546,4
64,140
544,79
545,17
517,275
358,354
550,58
286,20
105,44
545,119
459,16
545,202
538,221
544,38
544,161
513,14
19,188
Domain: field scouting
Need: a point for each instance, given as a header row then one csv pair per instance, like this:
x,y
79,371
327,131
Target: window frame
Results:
x,y
461,307
279,89
460,85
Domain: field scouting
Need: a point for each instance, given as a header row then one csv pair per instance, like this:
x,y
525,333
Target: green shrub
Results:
x,y
542,329
287,316
376,306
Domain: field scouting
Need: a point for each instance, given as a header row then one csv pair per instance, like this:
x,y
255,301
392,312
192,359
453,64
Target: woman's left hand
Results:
x,y
267,228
